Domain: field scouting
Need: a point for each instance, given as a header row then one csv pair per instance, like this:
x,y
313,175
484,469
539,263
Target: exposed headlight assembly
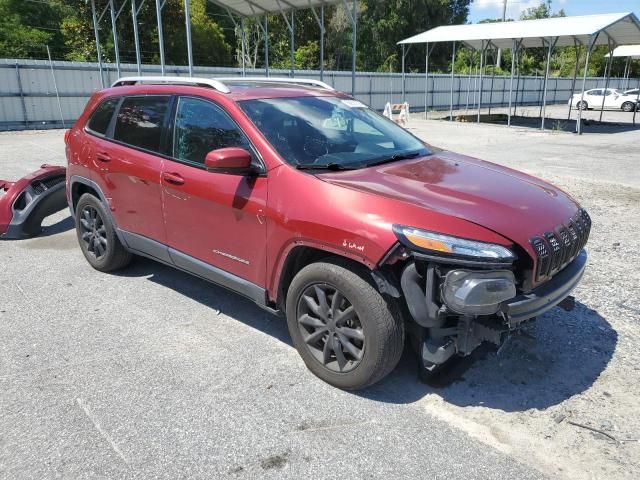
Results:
x,y
446,245
477,293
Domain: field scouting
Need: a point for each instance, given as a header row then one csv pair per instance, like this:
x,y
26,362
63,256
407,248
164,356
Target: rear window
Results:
x,y
139,121
99,121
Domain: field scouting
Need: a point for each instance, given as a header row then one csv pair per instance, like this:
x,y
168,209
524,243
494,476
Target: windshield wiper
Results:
x,y
323,166
393,158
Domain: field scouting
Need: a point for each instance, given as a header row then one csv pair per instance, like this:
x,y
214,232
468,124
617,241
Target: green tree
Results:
x,y
26,28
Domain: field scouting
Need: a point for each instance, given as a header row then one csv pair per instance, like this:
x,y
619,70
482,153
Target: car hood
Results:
x,y
512,204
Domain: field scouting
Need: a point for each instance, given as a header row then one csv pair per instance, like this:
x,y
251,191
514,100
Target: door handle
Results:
x,y
173,178
103,157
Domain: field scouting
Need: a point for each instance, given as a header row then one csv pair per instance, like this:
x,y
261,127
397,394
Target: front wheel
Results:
x,y
582,105
345,331
627,107
97,236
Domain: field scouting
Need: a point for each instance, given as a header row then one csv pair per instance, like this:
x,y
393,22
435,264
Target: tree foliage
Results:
x,y
27,27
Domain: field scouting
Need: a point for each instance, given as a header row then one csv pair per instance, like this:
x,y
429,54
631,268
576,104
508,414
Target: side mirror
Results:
x,y
228,160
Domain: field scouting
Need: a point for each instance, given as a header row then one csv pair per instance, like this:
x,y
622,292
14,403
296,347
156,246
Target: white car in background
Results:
x,y
613,100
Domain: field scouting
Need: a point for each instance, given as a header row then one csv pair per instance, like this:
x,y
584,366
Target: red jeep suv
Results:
x,y
307,202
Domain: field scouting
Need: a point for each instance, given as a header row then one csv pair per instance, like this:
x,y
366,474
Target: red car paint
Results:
x,y
14,189
261,219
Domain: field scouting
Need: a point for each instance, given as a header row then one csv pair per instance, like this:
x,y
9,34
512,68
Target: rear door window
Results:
x,y
101,116
140,121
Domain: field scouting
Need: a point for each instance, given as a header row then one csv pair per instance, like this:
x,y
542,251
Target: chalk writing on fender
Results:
x,y
352,246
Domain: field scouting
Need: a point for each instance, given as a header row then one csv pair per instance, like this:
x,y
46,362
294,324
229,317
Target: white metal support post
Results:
x,y
577,44
266,45
293,44
136,39
466,107
187,21
482,50
354,41
514,52
405,52
114,31
637,104
243,52
453,67
493,76
592,41
611,46
426,81
97,35
551,45
160,35
320,22
55,86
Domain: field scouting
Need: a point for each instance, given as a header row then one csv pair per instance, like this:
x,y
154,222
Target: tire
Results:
x,y
371,325
582,105
627,107
97,237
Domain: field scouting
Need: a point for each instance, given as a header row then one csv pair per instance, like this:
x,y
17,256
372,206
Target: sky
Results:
x,y
481,9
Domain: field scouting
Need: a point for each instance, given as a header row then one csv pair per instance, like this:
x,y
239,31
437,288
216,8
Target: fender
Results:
x,y
330,249
29,200
94,186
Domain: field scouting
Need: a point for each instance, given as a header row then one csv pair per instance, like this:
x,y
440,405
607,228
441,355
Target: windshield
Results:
x,y
330,132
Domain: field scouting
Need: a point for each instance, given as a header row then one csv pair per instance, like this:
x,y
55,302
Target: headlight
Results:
x,y
477,293
431,242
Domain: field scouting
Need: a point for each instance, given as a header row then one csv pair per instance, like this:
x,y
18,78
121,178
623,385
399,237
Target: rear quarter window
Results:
x,y
140,120
101,116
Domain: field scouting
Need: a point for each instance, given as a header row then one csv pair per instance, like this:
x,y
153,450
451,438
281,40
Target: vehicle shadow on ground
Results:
x,y
567,353
563,355
554,124
61,226
210,295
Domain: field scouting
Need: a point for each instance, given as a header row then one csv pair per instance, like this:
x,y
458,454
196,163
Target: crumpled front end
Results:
x,y
456,301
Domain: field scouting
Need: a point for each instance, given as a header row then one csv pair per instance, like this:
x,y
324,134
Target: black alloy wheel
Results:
x,y
330,328
93,232
97,235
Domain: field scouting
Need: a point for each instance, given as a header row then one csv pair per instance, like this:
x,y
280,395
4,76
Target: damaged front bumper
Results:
x,y
24,203
447,326
548,295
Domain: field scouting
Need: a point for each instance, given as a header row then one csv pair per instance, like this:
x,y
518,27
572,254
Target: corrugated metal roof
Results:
x,y
632,51
252,8
623,28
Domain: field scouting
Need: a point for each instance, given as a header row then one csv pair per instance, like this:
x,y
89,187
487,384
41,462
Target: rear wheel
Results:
x,y
345,331
582,105
627,107
97,237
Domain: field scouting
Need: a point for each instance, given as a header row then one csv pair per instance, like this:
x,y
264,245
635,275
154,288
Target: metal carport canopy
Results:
x,y
632,51
622,28
252,8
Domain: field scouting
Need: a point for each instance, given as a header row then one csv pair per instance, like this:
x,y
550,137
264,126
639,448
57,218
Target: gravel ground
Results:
x,y
581,367
152,373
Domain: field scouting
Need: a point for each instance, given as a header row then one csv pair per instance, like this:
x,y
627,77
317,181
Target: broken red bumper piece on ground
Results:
x,y
29,200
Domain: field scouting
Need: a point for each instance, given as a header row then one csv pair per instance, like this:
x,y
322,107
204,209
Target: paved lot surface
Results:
x,y
153,373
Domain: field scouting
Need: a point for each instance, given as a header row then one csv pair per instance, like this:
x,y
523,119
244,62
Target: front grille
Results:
x,y
40,186
558,247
